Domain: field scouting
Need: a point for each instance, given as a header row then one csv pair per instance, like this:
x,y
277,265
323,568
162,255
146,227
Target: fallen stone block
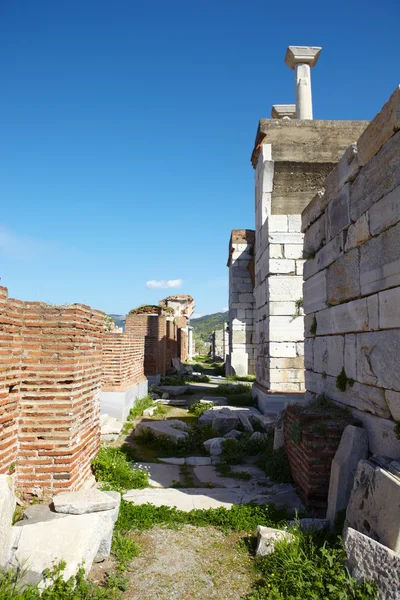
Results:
x,y
368,559
267,538
245,423
218,400
172,390
107,522
353,447
172,461
214,446
233,435
223,423
310,524
374,506
110,425
173,429
83,502
39,513
7,507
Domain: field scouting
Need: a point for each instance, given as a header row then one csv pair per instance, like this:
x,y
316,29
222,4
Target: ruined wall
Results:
x,y
220,344
172,341
123,361
242,348
50,392
352,282
153,329
289,169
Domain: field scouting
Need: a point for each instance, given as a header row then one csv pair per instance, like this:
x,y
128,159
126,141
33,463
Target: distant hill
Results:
x,y
204,326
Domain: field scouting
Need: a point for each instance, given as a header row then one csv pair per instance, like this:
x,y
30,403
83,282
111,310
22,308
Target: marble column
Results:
x,y
301,59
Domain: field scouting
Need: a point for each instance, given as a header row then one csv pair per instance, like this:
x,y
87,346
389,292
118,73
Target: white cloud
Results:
x,y
162,285
225,308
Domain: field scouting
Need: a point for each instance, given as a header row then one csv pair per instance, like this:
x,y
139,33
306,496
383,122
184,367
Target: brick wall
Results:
x,y
312,436
49,394
172,341
123,361
153,328
352,282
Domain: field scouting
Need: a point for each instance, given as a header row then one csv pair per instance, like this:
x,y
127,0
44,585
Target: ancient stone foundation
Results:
x,y
49,393
352,282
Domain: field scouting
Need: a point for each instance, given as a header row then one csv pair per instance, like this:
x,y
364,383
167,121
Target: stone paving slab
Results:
x,y
160,475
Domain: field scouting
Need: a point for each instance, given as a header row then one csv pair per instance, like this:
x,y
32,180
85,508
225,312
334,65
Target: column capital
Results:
x,y
307,55
281,111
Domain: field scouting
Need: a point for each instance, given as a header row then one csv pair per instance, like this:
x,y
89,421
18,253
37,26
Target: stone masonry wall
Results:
x,y
123,362
242,354
220,344
50,388
352,282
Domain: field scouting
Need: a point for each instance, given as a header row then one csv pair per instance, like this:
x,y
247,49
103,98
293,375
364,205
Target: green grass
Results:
x,y
308,568
113,469
244,517
241,377
198,408
124,549
238,394
75,588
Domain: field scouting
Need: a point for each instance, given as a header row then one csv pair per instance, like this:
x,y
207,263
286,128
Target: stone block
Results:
x,y
285,288
315,293
286,363
300,267
350,355
282,266
285,238
172,429
282,308
286,376
379,177
380,130
309,353
246,297
267,538
374,503
329,354
286,329
338,213
325,257
108,519
393,402
382,439
358,233
315,236
343,278
282,349
277,223
385,213
344,318
367,559
300,348
294,222
373,312
276,251
7,507
380,261
389,308
294,251
346,170
314,210
352,448
378,358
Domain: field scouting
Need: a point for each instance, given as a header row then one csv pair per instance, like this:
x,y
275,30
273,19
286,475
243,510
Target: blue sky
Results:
x,y
127,128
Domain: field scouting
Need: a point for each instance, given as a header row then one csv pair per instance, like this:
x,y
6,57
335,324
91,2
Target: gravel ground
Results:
x,y
190,562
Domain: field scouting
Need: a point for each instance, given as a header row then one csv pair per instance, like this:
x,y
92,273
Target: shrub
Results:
x,y
113,469
275,463
234,451
305,569
198,408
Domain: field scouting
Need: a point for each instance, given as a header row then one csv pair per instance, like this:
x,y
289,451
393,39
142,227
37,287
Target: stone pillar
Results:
x,y
301,59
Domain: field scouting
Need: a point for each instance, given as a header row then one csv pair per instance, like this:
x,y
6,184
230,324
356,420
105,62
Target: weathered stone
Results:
x,y
172,390
352,448
172,461
245,423
380,261
285,288
344,318
315,237
325,257
309,524
343,278
267,538
108,519
214,446
374,503
393,402
286,328
315,292
38,513
346,170
328,354
83,501
379,177
198,461
367,559
385,213
377,358
234,434
279,438
173,429
350,355
282,266
314,210
373,312
381,129
7,507
338,213
357,233
389,308
224,423
382,438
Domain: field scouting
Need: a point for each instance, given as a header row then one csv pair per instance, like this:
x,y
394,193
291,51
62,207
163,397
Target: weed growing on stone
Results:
x,y
342,381
397,429
313,327
75,588
244,517
306,567
113,469
198,408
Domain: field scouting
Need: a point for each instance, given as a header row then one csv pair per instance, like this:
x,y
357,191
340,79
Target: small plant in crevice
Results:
x,y
313,326
342,381
299,308
295,432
